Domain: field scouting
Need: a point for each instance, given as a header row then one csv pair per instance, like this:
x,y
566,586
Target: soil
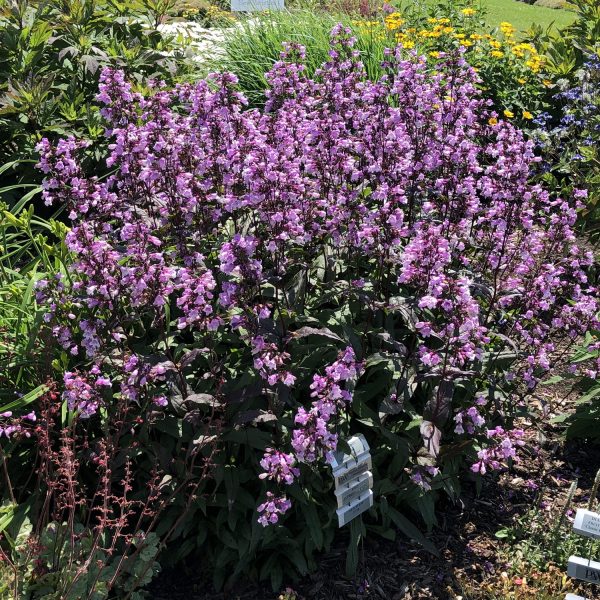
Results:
x,y
473,564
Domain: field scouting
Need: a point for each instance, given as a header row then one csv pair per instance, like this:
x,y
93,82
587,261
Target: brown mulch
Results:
x,y
473,563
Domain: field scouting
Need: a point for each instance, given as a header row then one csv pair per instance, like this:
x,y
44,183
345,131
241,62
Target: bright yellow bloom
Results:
x,y
394,21
495,44
521,80
506,28
493,121
547,82
509,114
468,11
466,43
460,36
408,45
434,54
527,115
432,20
497,54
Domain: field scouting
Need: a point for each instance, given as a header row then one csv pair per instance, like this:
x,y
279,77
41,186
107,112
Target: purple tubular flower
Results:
x,y
270,510
397,195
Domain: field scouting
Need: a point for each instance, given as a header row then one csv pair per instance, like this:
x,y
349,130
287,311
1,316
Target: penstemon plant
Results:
x,y
357,256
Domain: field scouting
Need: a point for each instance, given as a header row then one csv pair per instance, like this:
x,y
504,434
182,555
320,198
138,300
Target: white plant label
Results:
x,y
346,474
353,489
584,569
587,523
256,5
355,508
358,446
574,597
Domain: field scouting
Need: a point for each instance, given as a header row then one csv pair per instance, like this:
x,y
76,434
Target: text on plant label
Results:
x,y
587,523
353,489
359,506
584,569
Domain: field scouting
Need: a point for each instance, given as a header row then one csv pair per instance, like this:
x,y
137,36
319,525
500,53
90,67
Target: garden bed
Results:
x,y
474,563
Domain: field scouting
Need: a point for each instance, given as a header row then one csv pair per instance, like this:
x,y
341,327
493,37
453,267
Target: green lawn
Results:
x,y
523,15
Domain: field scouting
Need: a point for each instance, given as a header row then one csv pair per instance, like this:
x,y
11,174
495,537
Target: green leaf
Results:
x,y
26,399
314,525
411,531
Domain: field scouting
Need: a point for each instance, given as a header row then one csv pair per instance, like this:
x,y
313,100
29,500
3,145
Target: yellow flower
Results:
x,y
394,21
408,45
497,54
466,43
509,114
434,54
527,115
521,80
506,28
547,82
432,20
493,121
468,11
460,36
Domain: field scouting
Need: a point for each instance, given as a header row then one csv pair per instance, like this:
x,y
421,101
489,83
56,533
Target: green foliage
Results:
x,y
536,541
252,48
571,144
511,71
31,248
585,421
65,563
51,54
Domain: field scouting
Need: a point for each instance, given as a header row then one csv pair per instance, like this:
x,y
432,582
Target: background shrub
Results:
x,y
511,69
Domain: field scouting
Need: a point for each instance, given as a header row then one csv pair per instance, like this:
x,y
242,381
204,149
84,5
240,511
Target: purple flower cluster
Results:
x,y
312,439
84,393
278,466
224,228
13,426
423,476
272,508
502,447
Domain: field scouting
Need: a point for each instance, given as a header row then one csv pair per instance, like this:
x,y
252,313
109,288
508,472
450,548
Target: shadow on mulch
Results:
x,y
465,539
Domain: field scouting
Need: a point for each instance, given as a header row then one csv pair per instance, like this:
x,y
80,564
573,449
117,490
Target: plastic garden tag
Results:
x,y
353,479
587,523
574,597
584,569
355,508
350,491
348,466
358,446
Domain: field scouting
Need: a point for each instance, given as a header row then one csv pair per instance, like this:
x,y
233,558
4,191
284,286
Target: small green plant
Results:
x,y
65,562
51,54
537,541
